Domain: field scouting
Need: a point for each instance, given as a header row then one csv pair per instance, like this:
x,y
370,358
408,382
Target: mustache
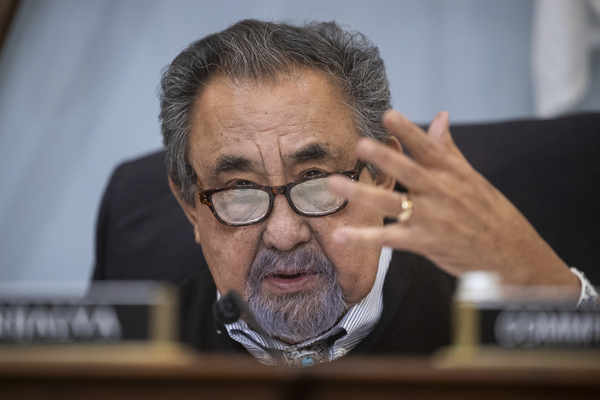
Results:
x,y
302,260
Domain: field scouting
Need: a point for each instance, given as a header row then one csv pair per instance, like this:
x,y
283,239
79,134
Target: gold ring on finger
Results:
x,y
407,208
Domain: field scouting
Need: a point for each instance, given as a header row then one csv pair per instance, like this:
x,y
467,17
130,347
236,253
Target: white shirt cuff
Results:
x,y
589,297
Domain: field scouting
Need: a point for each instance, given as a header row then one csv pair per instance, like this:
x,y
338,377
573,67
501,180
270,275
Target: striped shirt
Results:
x,y
358,322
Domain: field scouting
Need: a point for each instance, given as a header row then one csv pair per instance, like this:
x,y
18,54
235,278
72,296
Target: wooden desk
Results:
x,y
226,377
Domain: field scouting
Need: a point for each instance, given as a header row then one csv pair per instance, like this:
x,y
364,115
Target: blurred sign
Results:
x,y
539,326
107,313
525,319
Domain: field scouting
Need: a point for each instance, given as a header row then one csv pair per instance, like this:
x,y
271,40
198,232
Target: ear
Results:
x,y
386,180
189,209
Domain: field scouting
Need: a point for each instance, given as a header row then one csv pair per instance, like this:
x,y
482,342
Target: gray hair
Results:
x,y
256,51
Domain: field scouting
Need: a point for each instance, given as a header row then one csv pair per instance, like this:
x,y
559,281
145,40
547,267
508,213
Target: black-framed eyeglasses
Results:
x,y
243,205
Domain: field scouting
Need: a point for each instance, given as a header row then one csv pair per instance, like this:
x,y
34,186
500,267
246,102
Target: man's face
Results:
x,y
271,134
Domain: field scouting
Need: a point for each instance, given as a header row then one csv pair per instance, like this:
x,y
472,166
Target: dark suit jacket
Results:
x,y
142,232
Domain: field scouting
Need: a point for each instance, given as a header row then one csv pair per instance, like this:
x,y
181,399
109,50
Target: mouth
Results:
x,y
289,283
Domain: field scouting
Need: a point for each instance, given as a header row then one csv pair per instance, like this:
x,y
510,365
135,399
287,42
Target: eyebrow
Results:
x,y
231,163
314,151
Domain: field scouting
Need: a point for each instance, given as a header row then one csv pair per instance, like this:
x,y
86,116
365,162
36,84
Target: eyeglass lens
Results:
x,y
314,198
241,205
248,205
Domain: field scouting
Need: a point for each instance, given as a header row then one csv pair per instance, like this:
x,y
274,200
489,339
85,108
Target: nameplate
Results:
x,y
539,327
526,326
108,312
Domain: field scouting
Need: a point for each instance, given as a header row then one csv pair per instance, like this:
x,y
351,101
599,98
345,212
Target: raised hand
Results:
x,y
459,220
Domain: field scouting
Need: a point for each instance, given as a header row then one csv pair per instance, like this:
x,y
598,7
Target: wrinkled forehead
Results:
x,y
248,125
286,71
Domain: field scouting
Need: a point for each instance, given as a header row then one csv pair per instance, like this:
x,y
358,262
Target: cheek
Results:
x,y
356,265
228,251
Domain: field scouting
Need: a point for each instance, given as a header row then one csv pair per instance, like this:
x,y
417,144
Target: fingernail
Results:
x,y
393,116
446,116
387,114
336,184
365,147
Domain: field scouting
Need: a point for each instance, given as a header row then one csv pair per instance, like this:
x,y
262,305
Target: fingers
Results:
x,y
412,138
439,130
433,148
383,201
408,172
391,235
439,134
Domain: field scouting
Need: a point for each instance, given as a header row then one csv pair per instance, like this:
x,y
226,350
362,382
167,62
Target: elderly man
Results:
x,y
283,153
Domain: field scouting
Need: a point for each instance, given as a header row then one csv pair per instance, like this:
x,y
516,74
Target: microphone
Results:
x,y
230,308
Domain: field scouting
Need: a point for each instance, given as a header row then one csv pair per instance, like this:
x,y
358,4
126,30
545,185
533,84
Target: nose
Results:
x,y
284,228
